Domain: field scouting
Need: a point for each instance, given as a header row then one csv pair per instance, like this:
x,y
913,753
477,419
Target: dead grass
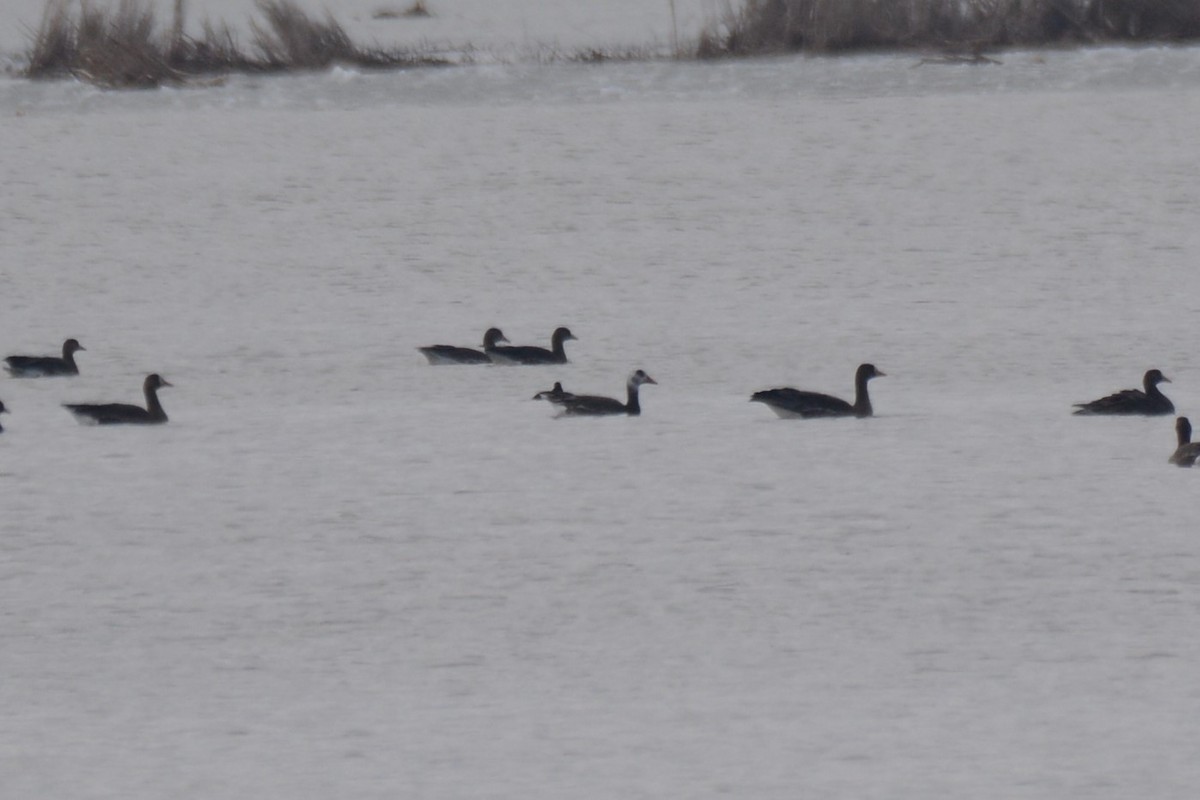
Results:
x,y
292,39
118,48
122,47
829,26
417,10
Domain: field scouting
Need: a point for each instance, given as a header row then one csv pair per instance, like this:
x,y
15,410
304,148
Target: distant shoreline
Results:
x,y
123,48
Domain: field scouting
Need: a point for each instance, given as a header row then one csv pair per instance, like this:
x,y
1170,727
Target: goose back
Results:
x,y
597,405
557,395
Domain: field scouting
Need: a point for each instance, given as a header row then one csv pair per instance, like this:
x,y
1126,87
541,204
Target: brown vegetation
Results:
x,y
123,48
417,9
763,26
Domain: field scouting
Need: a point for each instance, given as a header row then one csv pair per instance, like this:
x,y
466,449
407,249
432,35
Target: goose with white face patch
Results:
x,y
586,405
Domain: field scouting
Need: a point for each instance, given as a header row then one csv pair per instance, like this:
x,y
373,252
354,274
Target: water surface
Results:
x,y
339,571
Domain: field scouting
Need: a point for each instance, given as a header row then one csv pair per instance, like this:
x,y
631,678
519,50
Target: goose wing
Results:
x,y
592,405
526,354
108,413
794,402
36,365
449,354
1123,402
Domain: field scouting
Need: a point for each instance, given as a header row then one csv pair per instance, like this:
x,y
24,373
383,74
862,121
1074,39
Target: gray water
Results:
x,y
341,572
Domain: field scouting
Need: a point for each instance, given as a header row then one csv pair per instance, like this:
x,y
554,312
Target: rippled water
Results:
x,y
339,571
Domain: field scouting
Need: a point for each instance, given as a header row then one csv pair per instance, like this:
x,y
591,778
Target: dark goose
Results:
x,y
536,355
3,410
1131,401
789,402
555,395
449,354
594,406
1187,451
123,413
36,366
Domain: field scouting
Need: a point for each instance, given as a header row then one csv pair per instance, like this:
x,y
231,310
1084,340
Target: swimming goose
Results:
x,y
449,354
1187,452
3,410
1132,401
36,366
118,413
594,406
789,402
535,355
555,395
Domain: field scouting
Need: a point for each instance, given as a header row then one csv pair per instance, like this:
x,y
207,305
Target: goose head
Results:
x,y
868,371
639,377
154,382
1154,377
492,337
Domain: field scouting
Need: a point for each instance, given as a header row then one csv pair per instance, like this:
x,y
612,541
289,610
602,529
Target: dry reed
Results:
x,y
122,47
827,26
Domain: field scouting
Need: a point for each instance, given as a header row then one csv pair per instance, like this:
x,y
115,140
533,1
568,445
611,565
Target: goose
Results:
x,y
595,406
535,355
556,395
1133,401
3,410
449,354
119,413
1187,452
787,402
36,366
